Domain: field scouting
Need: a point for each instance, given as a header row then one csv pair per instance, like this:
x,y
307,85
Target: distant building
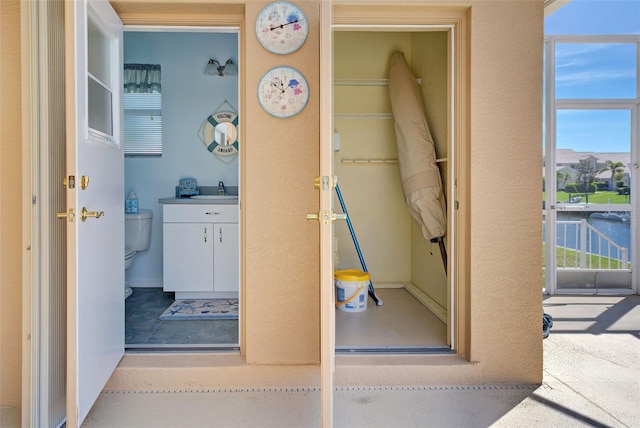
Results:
x,y
567,161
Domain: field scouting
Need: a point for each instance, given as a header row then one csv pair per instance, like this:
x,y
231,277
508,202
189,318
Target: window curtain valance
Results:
x,y
142,78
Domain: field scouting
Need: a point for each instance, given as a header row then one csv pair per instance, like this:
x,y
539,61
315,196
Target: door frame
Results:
x,y
455,24
227,28
41,246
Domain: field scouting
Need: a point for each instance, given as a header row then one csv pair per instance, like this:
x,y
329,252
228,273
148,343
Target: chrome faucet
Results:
x,y
220,188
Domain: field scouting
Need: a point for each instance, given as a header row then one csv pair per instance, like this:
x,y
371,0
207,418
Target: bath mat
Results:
x,y
202,309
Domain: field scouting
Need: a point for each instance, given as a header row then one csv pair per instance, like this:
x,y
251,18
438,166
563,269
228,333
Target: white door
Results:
x,y
326,185
95,246
591,166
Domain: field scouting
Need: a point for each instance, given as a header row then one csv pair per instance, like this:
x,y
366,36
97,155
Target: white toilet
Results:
x,y
137,236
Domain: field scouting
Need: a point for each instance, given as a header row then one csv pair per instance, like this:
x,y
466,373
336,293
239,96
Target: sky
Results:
x,y
595,71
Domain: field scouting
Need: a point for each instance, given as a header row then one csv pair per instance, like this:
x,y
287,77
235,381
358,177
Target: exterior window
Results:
x,y
142,102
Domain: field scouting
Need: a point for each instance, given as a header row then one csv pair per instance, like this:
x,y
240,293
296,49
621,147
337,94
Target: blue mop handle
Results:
x,y
353,235
372,291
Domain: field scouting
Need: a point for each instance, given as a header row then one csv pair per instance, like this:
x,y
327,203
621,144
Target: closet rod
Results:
x,y
385,116
365,82
380,161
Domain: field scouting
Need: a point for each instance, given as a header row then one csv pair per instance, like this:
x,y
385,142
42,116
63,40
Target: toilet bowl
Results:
x,y
137,237
129,255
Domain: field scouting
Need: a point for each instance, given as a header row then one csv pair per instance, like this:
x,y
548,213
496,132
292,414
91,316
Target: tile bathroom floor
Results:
x,y
144,329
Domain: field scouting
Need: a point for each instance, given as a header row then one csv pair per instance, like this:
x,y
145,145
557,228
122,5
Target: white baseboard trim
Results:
x,y
387,284
145,282
431,304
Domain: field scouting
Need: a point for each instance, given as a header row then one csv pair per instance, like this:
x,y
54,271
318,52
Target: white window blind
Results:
x,y
143,124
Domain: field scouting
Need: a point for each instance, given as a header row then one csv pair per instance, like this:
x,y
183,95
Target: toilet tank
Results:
x,y
137,230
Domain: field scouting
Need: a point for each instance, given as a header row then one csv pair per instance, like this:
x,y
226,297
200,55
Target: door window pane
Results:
x,y
593,157
100,108
98,53
598,70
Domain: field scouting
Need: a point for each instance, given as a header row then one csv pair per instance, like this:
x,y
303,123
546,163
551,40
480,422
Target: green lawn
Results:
x,y
572,262
602,197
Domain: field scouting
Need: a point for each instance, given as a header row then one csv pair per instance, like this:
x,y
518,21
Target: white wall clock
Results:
x,y
283,92
281,27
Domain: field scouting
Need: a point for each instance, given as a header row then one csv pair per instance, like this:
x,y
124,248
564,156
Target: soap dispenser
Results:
x,y
131,204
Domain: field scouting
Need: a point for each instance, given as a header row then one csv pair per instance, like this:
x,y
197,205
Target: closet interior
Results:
x,y
407,271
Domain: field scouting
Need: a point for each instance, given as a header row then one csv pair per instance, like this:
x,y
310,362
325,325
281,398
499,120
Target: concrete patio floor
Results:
x,y
591,379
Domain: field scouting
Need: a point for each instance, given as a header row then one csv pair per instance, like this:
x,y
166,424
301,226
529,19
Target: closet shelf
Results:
x,y
380,161
385,116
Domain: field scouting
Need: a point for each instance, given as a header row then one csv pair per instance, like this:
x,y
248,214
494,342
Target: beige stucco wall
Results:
x,y
280,160
506,117
10,206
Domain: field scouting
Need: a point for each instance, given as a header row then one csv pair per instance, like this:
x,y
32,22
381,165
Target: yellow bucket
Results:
x,y
351,290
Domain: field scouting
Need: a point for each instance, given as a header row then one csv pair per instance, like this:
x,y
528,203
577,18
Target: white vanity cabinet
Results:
x,y
201,250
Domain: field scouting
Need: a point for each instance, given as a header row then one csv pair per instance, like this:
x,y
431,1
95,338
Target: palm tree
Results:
x,y
613,167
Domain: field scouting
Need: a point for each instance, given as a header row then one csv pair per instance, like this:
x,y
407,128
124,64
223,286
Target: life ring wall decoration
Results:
x,y
219,133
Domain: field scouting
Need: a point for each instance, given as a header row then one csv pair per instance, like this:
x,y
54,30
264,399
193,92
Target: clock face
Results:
x,y
281,27
283,92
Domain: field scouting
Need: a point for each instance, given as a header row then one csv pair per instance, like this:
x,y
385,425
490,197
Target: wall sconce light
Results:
x,y
214,68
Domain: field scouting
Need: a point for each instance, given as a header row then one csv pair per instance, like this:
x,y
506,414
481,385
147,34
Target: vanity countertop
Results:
x,y
190,201
208,196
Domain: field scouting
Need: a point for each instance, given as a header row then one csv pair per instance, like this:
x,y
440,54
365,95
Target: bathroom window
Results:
x,y
142,103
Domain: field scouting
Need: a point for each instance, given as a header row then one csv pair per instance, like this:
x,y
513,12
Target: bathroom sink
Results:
x,y
218,197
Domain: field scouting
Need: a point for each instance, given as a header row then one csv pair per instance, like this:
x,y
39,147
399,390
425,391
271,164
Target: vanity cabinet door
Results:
x,y
226,254
188,256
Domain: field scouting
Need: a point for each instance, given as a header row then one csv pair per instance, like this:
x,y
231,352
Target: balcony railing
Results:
x,y
582,246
